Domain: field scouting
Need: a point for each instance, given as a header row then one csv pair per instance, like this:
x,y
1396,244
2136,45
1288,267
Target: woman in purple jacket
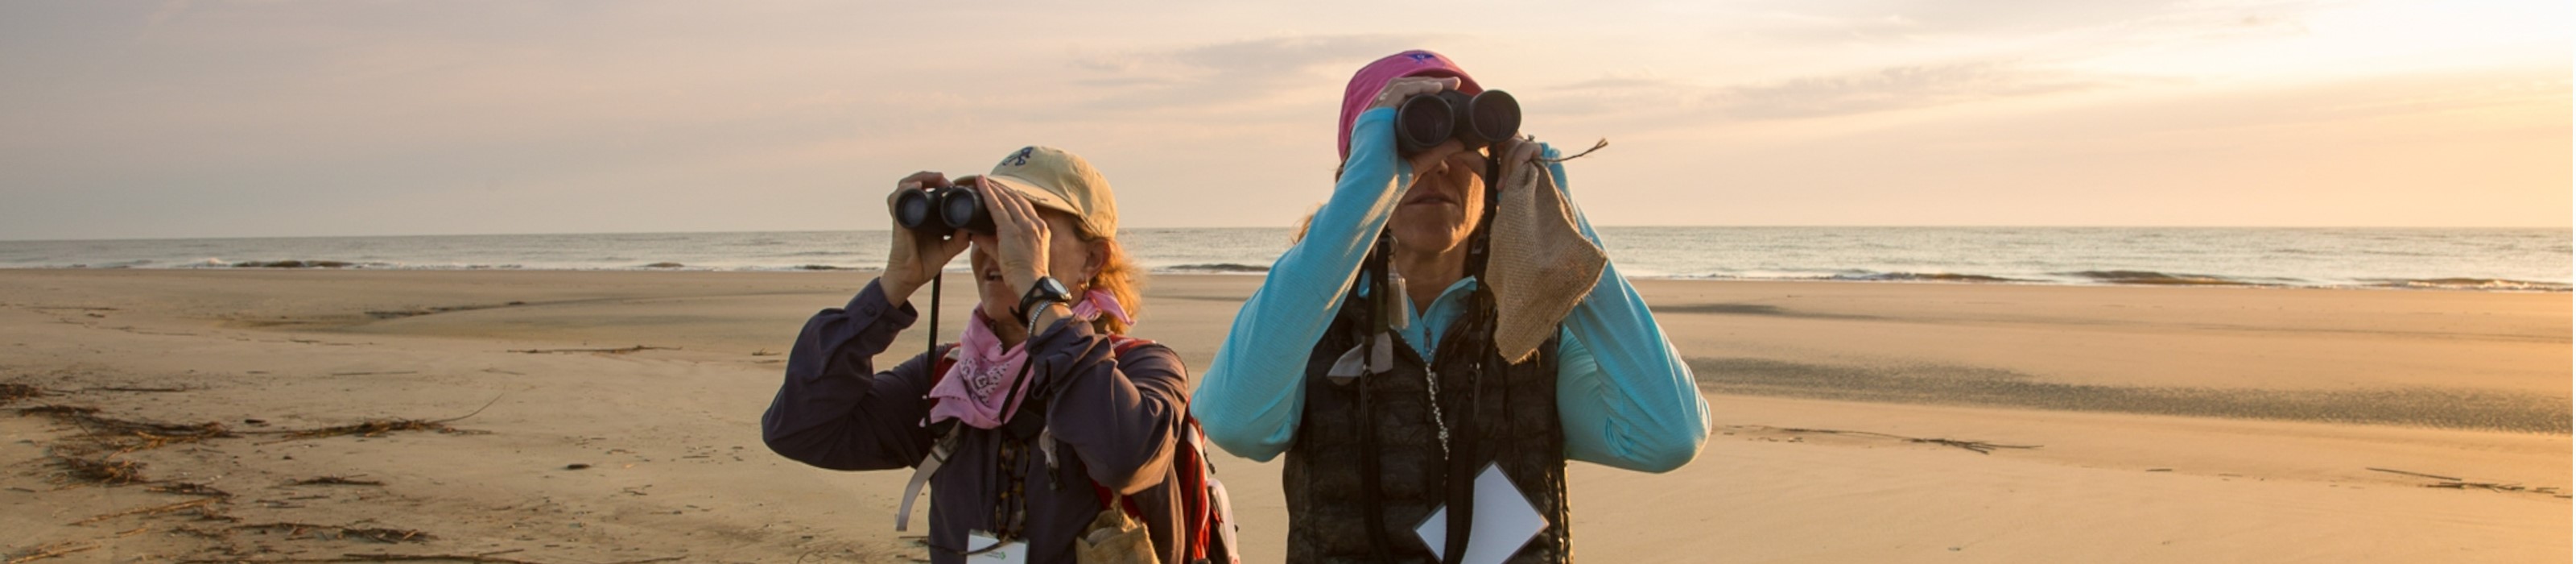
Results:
x,y
1042,411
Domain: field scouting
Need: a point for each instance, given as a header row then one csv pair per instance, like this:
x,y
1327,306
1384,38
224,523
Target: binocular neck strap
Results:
x,y
1479,249
1373,274
933,357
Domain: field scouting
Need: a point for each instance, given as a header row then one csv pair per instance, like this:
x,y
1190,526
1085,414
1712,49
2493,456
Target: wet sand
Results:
x,y
1857,421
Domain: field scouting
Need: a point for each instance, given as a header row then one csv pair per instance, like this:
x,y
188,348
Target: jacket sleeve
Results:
x,y
1254,391
835,411
1625,395
1123,415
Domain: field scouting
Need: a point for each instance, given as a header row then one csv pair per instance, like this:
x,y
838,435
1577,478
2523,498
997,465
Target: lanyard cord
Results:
x,y
933,359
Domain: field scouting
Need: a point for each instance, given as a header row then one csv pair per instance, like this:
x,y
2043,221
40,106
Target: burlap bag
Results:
x,y
1542,265
1114,538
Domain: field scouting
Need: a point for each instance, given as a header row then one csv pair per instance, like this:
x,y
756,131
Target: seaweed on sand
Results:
x,y
128,435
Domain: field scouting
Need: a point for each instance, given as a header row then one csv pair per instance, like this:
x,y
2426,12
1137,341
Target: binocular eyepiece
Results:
x,y
939,212
1480,120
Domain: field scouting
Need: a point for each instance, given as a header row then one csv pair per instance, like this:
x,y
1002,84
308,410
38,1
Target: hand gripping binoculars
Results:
x,y
939,212
1480,120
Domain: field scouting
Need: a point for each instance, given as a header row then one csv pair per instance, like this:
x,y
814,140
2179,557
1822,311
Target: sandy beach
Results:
x,y
596,417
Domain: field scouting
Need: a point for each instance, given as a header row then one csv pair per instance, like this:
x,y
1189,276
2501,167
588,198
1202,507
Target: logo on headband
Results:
x,y
1020,158
1421,58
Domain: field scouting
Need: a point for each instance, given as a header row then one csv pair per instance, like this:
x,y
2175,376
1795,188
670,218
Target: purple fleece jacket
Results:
x,y
1117,420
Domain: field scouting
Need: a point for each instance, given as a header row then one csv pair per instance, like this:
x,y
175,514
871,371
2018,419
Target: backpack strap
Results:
x,y
1206,517
941,445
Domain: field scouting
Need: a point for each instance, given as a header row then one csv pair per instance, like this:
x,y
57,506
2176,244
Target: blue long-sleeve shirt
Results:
x,y
1626,398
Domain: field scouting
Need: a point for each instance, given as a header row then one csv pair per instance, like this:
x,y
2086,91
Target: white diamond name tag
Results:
x,y
1504,521
1014,552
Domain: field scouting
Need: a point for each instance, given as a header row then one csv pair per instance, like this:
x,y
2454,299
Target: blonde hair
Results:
x,y
1122,278
1304,223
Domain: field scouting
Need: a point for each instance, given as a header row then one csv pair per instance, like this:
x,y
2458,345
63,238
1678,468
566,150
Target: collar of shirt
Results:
x,y
1432,323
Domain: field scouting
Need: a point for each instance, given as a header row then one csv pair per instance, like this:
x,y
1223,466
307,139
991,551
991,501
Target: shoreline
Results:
x,y
652,383
2113,279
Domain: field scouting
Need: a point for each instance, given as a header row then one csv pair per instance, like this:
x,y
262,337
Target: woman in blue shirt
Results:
x,y
1374,460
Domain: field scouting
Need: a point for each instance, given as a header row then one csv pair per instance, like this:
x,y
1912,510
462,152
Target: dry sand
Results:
x,y
2172,424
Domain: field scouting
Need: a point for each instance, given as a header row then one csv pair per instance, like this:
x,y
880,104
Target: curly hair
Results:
x,y
1122,278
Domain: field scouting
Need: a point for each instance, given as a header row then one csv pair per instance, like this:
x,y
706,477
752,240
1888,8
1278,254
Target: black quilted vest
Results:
x,y
1367,467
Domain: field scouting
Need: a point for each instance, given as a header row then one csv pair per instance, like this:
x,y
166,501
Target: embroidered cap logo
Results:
x,y
1020,158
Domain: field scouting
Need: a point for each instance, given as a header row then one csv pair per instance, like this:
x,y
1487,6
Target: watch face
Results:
x,y
1046,290
1050,289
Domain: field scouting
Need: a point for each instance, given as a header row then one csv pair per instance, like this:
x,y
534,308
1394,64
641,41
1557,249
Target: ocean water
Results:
x,y
2474,259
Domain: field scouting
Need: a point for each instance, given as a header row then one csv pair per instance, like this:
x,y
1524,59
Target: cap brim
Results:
x,y
1036,195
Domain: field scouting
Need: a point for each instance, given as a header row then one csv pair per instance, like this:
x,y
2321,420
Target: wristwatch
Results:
x,y
1046,290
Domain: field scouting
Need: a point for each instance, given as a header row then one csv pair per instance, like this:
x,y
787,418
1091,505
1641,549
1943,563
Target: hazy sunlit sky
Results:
x,y
201,119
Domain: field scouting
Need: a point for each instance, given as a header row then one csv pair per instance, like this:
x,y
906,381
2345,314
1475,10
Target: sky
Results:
x,y
122,119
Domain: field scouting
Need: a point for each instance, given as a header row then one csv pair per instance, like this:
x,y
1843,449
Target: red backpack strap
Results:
x,y
940,365
1120,344
1189,464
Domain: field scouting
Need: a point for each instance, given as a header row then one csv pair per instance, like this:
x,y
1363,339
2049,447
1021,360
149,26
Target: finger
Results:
x,y
1005,220
997,202
1021,207
1034,228
1029,211
1434,86
1469,160
916,181
1027,214
1396,91
923,179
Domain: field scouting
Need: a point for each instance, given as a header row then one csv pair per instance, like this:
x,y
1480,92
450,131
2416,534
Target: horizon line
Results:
x,y
1849,226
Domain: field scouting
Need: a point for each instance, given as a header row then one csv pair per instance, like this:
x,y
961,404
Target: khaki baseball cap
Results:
x,y
1054,179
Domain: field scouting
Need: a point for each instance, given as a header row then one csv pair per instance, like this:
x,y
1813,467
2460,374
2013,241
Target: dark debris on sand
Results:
x,y
94,454
334,481
293,264
189,488
1971,385
99,469
127,435
335,532
14,392
626,350
372,428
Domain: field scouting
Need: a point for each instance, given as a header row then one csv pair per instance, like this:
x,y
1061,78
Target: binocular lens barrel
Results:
x,y
938,212
1495,116
961,210
1422,122
1484,119
918,210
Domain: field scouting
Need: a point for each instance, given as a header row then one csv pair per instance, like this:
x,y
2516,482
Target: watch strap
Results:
x,y
1046,290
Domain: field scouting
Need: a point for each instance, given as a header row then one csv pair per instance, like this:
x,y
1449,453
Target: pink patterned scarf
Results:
x,y
972,391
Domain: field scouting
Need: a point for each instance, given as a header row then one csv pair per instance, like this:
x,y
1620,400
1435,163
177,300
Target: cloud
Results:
x,y
1896,88
1230,74
1908,20
1885,89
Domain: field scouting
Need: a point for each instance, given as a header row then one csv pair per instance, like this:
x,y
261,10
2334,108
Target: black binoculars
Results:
x,y
938,212
1480,120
